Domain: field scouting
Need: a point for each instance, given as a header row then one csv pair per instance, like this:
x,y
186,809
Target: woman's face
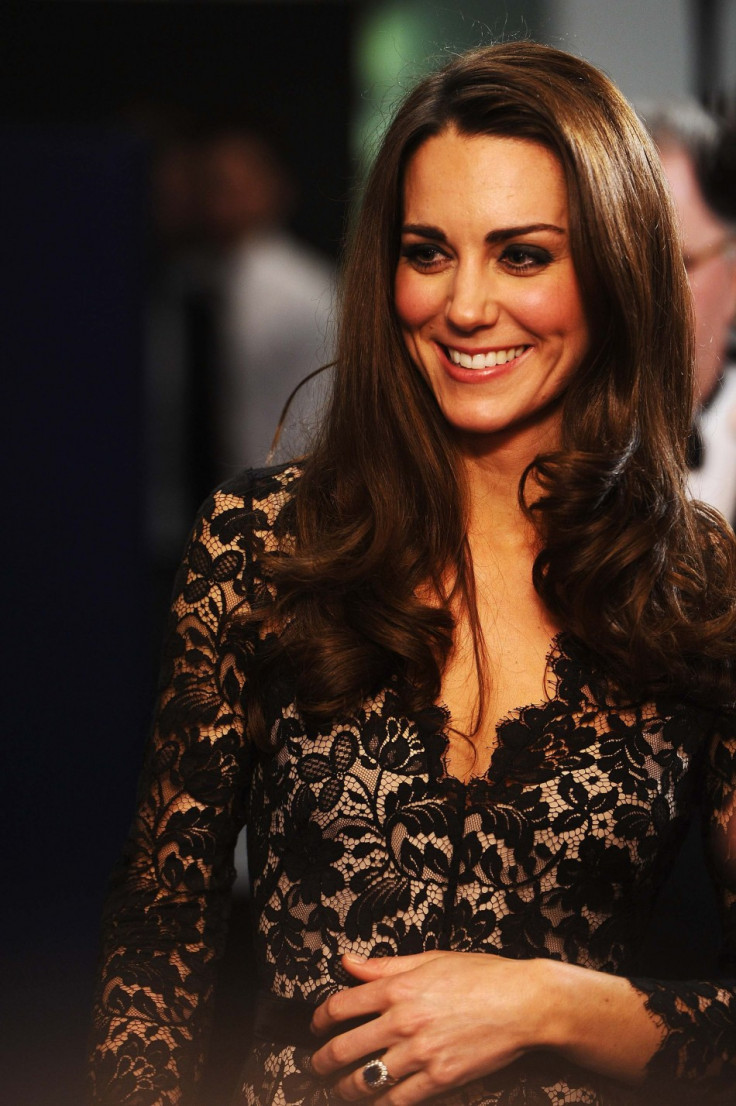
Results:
x,y
485,290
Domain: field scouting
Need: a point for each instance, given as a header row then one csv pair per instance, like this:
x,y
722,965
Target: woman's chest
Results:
x,y
560,773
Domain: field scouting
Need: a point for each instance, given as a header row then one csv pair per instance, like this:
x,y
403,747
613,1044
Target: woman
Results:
x,y
448,904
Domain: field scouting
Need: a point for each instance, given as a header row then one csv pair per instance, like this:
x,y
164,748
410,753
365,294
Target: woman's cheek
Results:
x,y
415,298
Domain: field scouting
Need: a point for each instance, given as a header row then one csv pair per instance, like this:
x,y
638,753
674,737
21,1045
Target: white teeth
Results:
x,y
484,360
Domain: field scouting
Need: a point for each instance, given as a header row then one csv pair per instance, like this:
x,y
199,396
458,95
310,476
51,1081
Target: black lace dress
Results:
x,y
359,840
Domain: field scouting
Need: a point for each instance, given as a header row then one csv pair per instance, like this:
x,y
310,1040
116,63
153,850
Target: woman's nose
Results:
x,y
472,301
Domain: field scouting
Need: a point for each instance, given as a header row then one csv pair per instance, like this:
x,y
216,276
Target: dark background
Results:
x,y
75,82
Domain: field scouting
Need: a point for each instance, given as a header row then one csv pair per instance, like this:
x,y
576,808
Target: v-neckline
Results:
x,y
510,717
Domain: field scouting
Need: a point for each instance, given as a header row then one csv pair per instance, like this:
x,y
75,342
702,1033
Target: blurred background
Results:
x,y
176,180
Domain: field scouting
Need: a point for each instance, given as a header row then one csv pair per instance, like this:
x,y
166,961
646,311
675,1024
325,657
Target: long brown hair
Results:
x,y
635,571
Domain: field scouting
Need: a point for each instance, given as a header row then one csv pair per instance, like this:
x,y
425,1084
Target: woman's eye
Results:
x,y
523,258
423,255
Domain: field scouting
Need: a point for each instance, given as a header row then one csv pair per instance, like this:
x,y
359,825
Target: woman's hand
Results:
x,y
440,1020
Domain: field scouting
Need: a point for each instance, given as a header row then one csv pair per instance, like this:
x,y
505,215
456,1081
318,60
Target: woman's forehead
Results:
x,y
484,177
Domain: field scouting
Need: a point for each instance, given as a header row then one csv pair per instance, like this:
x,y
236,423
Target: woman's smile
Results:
x,y
486,290
478,364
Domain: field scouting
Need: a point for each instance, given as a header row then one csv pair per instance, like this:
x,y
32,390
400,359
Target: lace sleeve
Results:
x,y
166,914
698,1018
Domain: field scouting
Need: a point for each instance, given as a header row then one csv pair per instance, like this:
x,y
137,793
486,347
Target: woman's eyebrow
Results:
x,y
501,235
517,232
423,231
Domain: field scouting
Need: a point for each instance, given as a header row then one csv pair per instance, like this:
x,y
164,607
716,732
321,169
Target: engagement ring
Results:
x,y
375,1075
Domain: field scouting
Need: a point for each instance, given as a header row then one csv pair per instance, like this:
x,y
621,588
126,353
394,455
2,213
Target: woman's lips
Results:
x,y
485,360
470,367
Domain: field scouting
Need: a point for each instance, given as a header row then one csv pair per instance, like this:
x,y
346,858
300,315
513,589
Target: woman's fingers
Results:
x,y
415,1088
384,1079
372,998
436,1020
406,1085
352,1002
379,966
348,1049
374,1077
359,1002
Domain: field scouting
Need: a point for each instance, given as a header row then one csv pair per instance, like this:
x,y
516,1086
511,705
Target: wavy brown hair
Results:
x,y
638,573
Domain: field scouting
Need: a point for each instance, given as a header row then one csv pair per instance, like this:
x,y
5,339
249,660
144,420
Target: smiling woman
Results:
x,y
467,668
486,291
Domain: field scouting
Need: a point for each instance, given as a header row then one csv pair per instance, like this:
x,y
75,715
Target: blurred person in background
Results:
x,y
698,153
276,298
241,313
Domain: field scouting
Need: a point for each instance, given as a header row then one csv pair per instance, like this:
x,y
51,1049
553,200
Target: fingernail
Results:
x,y
355,958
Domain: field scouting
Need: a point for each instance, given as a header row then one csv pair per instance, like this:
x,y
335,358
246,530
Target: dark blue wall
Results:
x,y
73,241
79,595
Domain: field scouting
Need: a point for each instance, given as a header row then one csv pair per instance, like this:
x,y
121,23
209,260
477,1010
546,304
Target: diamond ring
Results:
x,y
375,1075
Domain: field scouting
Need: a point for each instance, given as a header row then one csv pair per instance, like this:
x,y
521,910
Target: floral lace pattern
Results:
x,y
360,841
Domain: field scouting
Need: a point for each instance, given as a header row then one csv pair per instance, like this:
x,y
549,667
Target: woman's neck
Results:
x,y
496,520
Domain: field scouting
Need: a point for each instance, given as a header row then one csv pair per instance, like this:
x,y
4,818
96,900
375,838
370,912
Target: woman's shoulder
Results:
x,y
274,485
253,502
244,517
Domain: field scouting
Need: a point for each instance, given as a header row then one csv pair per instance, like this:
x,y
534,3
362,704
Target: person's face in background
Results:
x,y
709,248
243,190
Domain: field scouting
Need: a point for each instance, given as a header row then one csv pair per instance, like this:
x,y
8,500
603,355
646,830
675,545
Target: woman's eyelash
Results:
x,y
525,257
423,254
